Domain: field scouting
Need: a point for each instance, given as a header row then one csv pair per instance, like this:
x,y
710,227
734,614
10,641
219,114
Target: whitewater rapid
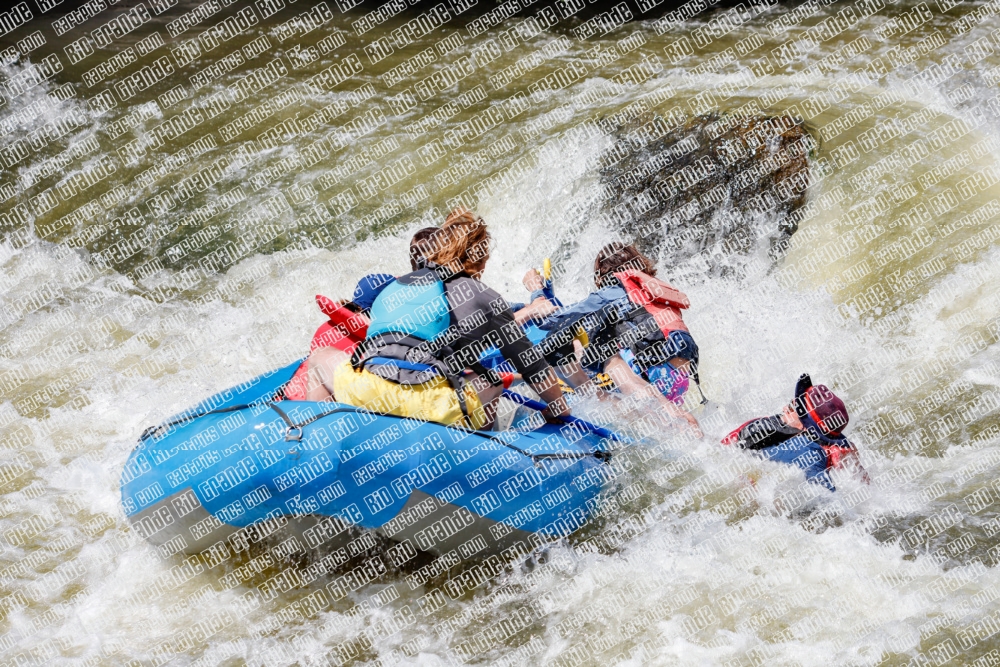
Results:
x,y
705,555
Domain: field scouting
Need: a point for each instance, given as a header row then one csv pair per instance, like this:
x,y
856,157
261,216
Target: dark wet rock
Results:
x,y
713,187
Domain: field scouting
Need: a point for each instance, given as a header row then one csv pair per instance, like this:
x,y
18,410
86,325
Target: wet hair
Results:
x,y
420,245
616,257
349,305
462,243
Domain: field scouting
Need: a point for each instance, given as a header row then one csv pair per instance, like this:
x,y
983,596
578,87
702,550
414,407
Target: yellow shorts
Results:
x,y
433,401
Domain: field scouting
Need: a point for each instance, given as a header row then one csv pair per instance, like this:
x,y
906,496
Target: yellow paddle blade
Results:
x,y
547,268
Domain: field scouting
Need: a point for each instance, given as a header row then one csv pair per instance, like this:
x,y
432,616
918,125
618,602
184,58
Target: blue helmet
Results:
x,y
369,287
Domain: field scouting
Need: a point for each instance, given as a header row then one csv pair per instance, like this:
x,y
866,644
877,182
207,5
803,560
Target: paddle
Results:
x,y
538,405
547,290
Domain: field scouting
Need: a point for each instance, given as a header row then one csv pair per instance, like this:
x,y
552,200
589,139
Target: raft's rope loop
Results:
x,y
152,430
294,432
604,457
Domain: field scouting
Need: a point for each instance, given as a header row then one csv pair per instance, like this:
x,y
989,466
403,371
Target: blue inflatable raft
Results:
x,y
244,464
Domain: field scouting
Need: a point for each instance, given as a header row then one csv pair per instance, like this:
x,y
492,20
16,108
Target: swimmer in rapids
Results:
x,y
806,434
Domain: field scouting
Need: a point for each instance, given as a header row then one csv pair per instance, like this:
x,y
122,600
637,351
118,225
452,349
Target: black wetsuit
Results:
x,y
765,432
479,319
482,318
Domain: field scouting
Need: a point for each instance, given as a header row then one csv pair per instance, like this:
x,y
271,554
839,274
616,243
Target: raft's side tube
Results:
x,y
259,390
217,481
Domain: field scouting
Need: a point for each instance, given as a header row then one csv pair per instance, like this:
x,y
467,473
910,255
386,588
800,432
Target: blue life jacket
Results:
x,y
414,304
805,453
406,315
493,360
606,305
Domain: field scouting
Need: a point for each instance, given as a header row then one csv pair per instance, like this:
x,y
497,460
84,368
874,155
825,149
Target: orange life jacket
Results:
x,y
659,299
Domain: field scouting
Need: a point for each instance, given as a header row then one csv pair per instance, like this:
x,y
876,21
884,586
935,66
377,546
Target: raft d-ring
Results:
x,y
293,433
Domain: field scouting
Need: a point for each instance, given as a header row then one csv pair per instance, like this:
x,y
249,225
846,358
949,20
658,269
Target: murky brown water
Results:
x,y
182,239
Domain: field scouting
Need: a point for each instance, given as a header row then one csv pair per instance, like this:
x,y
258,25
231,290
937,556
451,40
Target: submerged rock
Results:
x,y
713,187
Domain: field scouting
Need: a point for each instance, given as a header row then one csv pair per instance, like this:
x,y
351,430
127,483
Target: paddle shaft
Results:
x,y
538,405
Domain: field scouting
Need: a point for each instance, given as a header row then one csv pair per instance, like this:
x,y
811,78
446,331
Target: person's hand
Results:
x,y
854,460
693,423
791,418
680,413
532,281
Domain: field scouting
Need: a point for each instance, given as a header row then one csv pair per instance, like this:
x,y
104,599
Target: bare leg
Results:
x,y
576,377
631,384
322,363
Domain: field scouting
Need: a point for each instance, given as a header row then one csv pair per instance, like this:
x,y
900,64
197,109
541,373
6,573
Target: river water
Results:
x,y
129,293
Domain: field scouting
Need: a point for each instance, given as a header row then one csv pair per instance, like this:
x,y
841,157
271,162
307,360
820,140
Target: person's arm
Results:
x,y
536,310
484,317
538,307
629,383
738,435
761,433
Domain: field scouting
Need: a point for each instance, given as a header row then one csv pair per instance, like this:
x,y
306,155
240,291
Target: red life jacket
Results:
x,y
734,435
835,455
661,301
344,330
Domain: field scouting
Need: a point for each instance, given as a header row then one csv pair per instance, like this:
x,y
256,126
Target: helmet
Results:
x,y
819,407
368,288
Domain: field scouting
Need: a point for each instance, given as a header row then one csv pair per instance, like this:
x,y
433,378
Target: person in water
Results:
x,y
420,356
807,434
634,328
